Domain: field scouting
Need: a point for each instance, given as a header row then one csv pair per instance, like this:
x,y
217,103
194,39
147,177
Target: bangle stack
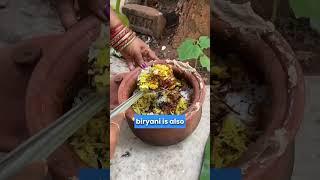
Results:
x,y
121,37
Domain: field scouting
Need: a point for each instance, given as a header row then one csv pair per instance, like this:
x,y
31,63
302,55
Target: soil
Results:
x,y
162,46
178,15
304,41
297,31
194,20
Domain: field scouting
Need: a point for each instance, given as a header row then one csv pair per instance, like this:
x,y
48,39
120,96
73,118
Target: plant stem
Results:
x,y
196,63
275,10
118,6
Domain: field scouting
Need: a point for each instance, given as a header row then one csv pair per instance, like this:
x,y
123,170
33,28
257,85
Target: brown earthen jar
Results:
x,y
164,137
271,156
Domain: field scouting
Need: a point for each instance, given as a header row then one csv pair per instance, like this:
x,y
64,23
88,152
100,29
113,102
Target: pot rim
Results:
x,y
185,68
269,147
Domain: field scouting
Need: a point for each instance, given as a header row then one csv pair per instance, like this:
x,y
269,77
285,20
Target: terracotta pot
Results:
x,y
58,69
272,155
193,114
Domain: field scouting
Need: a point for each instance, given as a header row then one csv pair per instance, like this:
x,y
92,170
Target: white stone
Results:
x,y
180,161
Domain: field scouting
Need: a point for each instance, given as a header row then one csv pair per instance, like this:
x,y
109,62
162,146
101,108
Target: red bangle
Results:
x,y
114,31
123,44
119,36
118,46
127,35
127,44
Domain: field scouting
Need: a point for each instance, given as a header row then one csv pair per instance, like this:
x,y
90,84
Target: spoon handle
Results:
x,y
126,105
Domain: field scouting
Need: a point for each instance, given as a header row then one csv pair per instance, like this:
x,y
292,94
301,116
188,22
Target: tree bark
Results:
x,y
194,20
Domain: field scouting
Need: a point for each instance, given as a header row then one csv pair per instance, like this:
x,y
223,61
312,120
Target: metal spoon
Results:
x,y
127,104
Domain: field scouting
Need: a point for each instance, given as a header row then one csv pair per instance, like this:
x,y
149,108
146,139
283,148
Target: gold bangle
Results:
x,y
120,35
128,43
126,36
119,46
116,125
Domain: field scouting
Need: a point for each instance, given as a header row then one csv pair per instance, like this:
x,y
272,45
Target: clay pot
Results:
x,y
272,155
164,137
59,68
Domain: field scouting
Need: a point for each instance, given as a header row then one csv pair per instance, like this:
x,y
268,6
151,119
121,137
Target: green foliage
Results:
x,y
204,42
205,61
205,171
307,8
193,49
189,50
99,62
121,16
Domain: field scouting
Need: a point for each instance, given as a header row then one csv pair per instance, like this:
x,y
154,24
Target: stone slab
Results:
x,y
144,19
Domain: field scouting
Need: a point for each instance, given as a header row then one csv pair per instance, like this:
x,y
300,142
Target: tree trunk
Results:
x,y
194,20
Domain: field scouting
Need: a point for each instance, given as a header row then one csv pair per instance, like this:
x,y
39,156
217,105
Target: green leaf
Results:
x,y
205,171
307,8
118,6
205,62
124,19
188,50
204,42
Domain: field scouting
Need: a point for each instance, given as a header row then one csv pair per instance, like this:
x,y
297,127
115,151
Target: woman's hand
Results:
x,y
69,14
138,53
115,125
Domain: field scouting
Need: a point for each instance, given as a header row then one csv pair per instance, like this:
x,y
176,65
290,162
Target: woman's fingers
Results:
x,y
67,12
131,65
152,55
130,61
139,59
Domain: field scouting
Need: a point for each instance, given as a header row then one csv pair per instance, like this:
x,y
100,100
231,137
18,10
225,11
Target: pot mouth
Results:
x,y
181,70
275,59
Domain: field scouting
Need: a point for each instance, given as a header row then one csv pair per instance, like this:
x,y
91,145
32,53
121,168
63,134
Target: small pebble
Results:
x,y
126,154
163,48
